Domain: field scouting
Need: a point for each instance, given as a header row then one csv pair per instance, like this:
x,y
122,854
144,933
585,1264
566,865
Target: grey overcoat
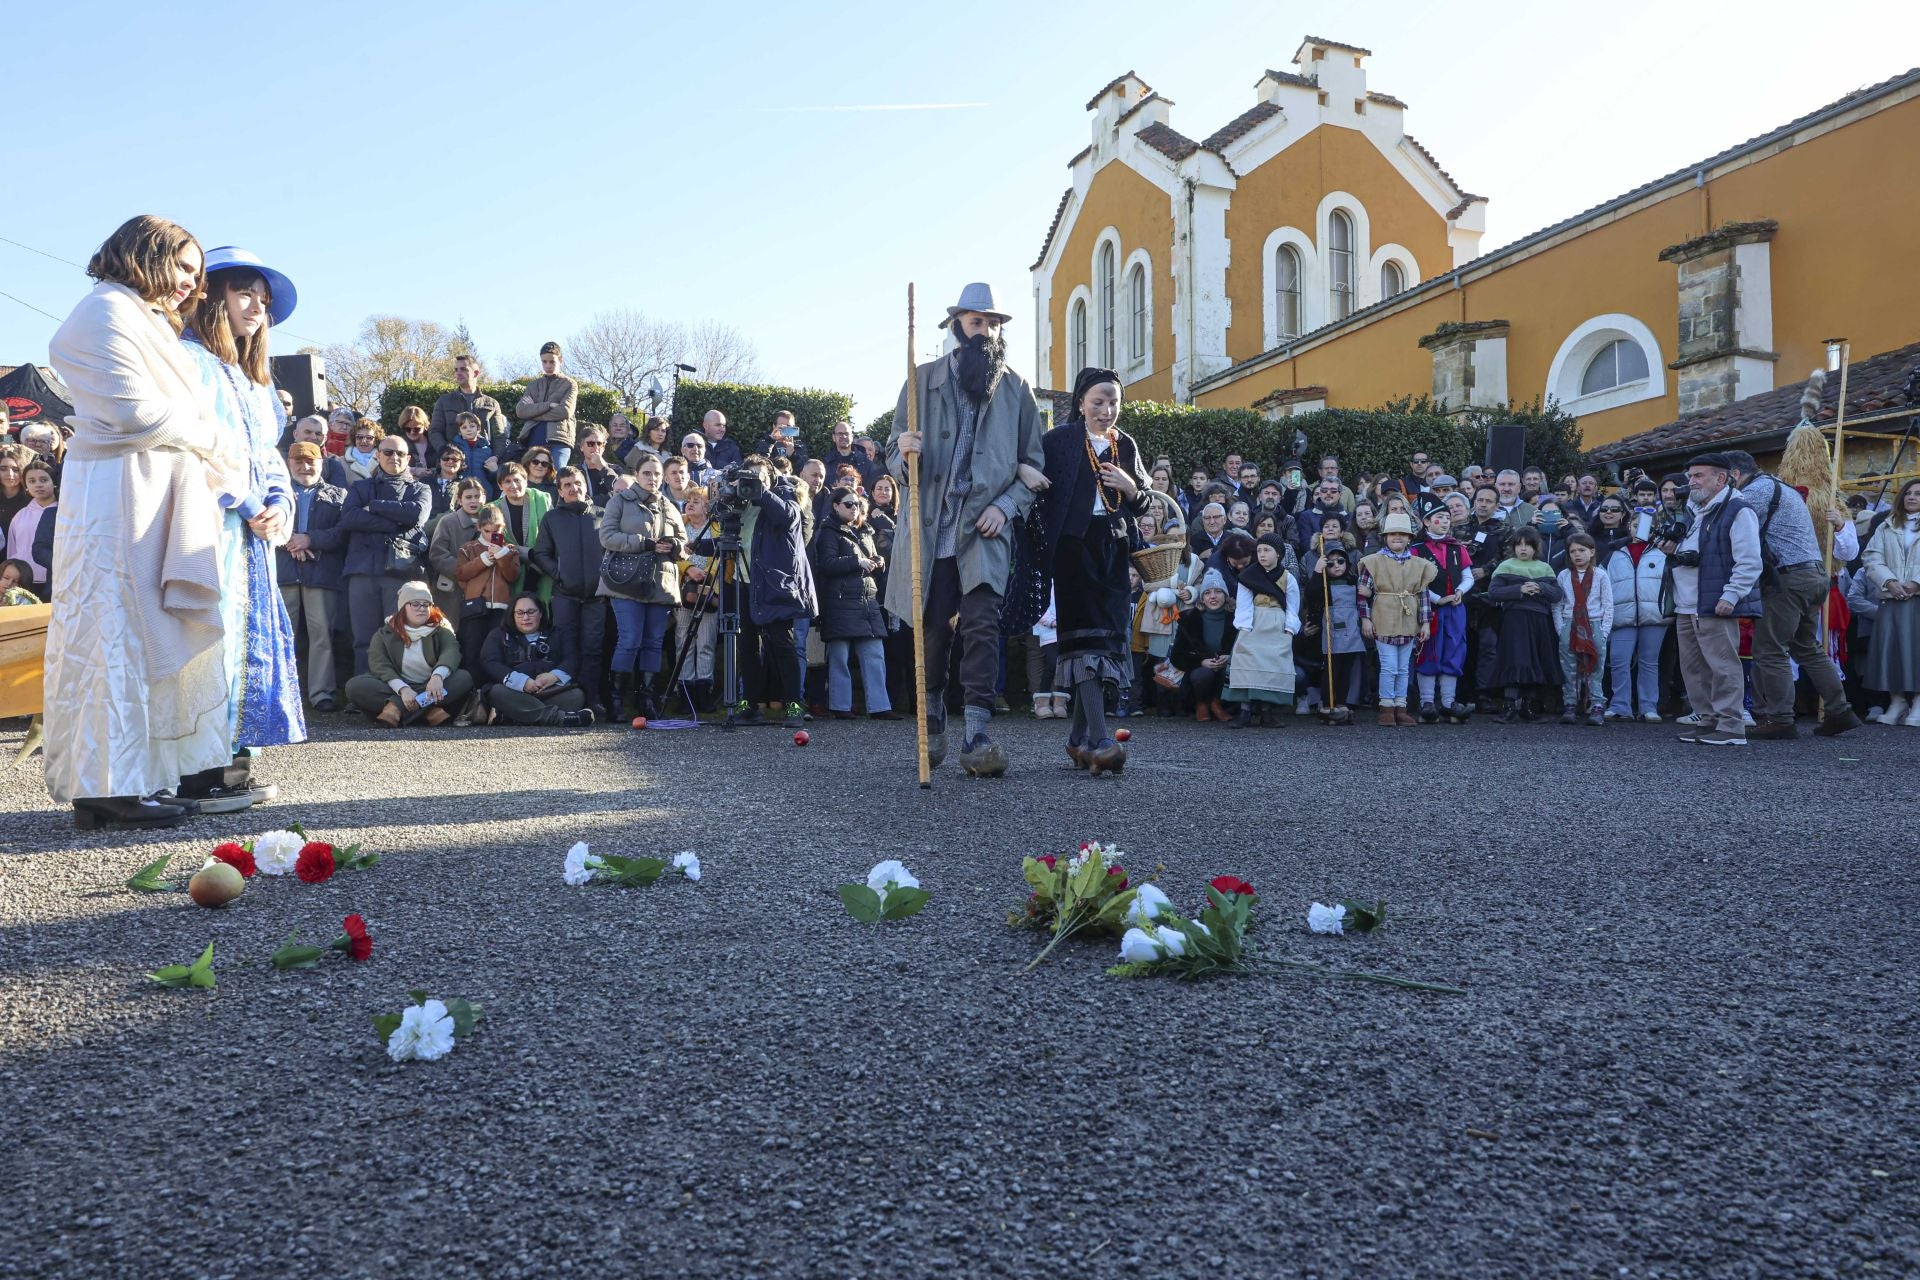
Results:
x,y
1008,434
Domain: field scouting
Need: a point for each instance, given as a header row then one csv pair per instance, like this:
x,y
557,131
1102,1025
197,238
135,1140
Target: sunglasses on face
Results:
x,y
535,462
393,453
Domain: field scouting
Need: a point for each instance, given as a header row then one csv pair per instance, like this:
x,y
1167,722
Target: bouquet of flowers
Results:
x,y
1162,941
1071,892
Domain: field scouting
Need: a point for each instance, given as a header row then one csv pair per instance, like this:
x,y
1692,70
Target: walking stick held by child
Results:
x,y
1332,712
913,544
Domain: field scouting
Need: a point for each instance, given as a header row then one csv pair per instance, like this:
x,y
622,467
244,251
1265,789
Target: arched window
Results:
x,y
1137,310
1077,327
1614,365
1340,263
1286,291
1105,287
1392,280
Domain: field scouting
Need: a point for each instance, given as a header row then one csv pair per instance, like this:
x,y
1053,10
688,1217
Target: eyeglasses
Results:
x,y
526,613
393,453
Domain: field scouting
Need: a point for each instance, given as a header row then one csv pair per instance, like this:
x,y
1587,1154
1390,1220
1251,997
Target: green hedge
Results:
x,y
1366,440
593,404
750,411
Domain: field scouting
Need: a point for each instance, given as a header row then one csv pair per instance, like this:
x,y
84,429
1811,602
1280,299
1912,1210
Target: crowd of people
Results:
x,y
480,563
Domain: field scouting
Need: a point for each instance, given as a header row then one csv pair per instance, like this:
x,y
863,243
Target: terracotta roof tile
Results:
x,y
1335,44
1288,77
1151,97
1415,144
1240,126
1168,141
1461,208
1094,101
1876,386
1385,99
1059,212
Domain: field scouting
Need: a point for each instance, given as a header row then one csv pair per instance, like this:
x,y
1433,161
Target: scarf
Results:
x,y
1264,582
1580,633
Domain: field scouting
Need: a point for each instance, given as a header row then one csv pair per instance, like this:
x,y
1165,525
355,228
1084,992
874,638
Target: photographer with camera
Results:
x,y
1716,582
1794,587
641,536
778,580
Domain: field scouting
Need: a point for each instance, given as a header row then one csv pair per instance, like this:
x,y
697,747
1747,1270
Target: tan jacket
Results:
x,y
549,399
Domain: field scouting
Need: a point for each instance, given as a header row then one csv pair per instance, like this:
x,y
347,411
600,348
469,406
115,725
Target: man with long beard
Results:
x,y
979,432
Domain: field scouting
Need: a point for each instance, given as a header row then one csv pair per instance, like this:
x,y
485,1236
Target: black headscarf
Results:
x,y
1262,581
1089,379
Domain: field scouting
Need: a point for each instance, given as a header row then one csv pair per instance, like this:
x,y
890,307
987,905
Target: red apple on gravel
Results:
x,y
215,885
639,722
1123,735
801,738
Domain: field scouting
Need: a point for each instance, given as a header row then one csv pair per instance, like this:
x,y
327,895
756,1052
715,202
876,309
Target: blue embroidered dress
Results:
x,y
263,683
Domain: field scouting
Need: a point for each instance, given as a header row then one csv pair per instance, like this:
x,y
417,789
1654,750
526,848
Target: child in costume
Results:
x,y
1583,620
1394,612
1266,613
1332,617
1524,588
1443,659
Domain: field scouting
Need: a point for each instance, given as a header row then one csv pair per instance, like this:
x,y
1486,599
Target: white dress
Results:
x,y
136,680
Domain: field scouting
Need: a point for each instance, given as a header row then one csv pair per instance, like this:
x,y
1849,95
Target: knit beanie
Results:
x,y
410,592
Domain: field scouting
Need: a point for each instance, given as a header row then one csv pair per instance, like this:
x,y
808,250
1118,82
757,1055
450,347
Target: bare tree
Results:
x,y
625,349
721,353
621,349
388,349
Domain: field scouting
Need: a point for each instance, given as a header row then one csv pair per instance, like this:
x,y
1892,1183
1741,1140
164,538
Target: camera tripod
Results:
x,y
723,582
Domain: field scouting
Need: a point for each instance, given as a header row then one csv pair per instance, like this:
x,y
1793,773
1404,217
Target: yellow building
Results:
x,y
1311,253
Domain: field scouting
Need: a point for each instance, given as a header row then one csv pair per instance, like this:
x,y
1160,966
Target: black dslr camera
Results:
x,y
1671,526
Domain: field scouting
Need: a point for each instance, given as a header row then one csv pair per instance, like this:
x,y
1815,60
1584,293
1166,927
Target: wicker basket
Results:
x,y
1161,559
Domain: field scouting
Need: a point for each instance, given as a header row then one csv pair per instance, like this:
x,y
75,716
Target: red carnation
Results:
x,y
237,857
1121,872
359,945
315,862
1229,885
1047,860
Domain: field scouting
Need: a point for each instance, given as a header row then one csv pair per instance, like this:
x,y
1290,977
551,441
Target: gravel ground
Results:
x,y
1688,1047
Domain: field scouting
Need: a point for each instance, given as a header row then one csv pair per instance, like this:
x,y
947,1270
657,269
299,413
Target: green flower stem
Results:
x,y
1059,936
1300,966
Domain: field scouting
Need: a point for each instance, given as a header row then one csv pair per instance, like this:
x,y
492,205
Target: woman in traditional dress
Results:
x,y
1095,488
136,681
226,334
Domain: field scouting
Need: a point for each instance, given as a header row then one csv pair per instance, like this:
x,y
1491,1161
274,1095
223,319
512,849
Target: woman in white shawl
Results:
x,y
136,682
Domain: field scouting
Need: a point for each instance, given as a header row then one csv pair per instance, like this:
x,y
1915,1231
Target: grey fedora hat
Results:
x,y
976,297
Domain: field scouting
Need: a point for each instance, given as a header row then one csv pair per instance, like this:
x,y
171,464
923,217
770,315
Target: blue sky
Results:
x,y
522,172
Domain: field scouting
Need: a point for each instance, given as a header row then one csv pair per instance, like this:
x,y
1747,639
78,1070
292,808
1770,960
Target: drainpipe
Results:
x,y
1193,295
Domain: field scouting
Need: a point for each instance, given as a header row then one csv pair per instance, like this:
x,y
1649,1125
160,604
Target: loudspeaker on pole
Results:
x,y
1506,447
304,378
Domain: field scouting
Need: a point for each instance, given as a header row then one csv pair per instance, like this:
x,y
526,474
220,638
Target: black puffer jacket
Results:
x,y
849,597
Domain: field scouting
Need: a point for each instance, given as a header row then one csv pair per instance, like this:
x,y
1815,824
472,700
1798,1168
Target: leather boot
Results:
x,y
1220,711
619,696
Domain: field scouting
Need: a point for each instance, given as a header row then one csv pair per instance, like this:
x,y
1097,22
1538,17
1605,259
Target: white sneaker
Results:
x,y
1746,717
1618,715
1913,717
1873,715
1693,718
1302,709
1650,717
1896,711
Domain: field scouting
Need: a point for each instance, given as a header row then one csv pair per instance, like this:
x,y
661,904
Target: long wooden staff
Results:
x,y
913,543
1839,453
